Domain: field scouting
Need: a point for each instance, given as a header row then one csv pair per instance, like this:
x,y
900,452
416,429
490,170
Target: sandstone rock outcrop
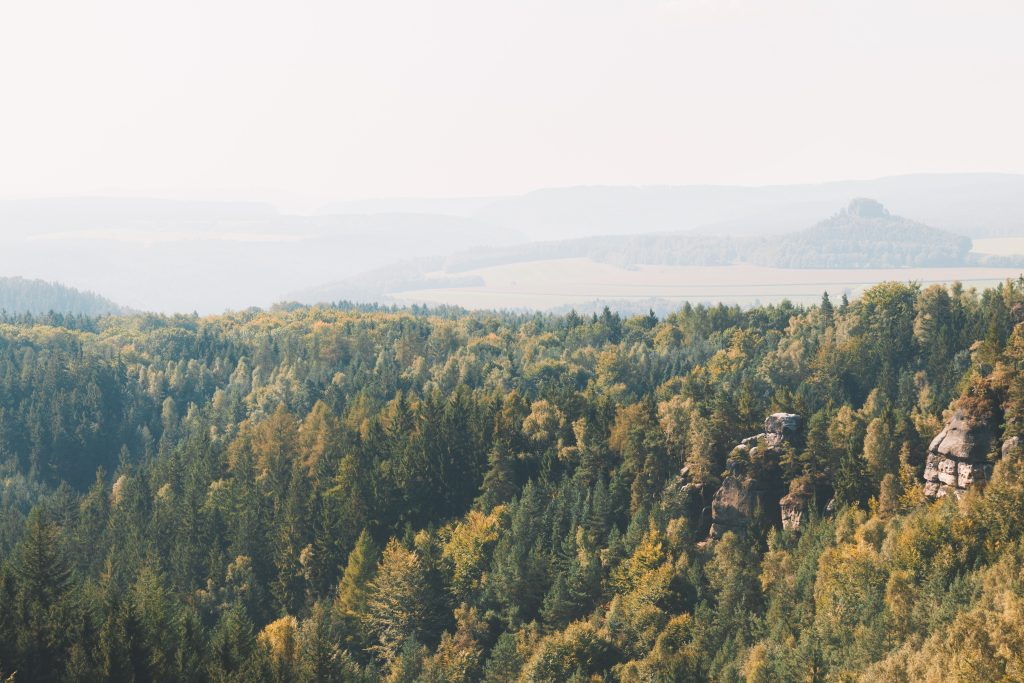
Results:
x,y
785,424
735,504
794,506
745,494
960,456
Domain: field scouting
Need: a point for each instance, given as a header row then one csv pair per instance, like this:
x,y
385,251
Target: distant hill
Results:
x,y
18,295
864,235
209,256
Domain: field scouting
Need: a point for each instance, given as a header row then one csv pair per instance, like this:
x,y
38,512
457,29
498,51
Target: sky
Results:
x,y
313,100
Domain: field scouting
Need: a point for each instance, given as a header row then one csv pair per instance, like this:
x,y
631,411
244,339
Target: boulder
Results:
x,y
769,439
960,455
1009,445
783,424
963,439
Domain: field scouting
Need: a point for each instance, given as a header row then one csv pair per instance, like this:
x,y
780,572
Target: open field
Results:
x,y
547,284
1000,246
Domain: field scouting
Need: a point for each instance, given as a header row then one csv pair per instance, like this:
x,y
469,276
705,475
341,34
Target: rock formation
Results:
x,y
745,494
961,455
793,507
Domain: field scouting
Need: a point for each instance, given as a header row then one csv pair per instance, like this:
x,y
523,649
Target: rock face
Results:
x,y
734,504
866,208
960,456
785,424
793,508
744,495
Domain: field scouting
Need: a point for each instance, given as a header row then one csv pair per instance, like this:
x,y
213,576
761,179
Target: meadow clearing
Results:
x,y
547,284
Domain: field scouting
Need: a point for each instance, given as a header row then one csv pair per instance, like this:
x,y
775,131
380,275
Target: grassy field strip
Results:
x,y
1000,246
544,284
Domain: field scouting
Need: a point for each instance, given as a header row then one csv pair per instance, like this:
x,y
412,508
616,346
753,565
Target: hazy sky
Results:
x,y
336,99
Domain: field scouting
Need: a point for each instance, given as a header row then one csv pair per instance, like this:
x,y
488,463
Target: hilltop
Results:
x,y
862,235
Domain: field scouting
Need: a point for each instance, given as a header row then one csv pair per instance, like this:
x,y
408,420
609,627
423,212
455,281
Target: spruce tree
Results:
x,y
350,604
42,581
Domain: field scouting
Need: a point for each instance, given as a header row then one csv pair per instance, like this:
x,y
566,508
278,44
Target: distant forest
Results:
x,y
864,235
19,295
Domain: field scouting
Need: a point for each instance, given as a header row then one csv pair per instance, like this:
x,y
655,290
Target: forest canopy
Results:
x,y
358,493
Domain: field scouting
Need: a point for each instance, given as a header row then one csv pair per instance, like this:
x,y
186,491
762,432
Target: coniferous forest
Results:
x,y
375,494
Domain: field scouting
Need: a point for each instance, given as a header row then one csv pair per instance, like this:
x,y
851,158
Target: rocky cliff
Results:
x,y
962,454
752,486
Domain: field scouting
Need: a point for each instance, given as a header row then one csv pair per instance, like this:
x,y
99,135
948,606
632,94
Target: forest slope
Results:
x,y
360,494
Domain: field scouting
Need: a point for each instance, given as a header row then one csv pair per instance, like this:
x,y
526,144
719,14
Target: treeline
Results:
x,y
366,493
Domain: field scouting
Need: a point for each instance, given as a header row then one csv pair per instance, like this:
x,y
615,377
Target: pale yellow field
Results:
x,y
1000,246
545,284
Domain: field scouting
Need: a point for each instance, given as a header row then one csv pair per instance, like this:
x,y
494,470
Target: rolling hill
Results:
x,y
18,295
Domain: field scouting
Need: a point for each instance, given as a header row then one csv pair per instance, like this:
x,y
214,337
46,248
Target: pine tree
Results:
x,y
42,580
499,482
231,642
350,604
818,459
827,312
402,603
157,623
320,658
558,609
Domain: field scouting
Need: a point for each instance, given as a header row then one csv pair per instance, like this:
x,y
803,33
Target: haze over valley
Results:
x,y
548,249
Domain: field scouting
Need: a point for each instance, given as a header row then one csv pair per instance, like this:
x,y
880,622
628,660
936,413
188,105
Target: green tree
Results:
x,y
351,604
402,605
42,581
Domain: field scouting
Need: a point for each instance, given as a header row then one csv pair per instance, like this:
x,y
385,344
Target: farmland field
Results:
x,y
547,284
1000,246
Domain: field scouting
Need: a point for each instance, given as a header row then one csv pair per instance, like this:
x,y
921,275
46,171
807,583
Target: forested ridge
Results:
x,y
21,295
363,493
